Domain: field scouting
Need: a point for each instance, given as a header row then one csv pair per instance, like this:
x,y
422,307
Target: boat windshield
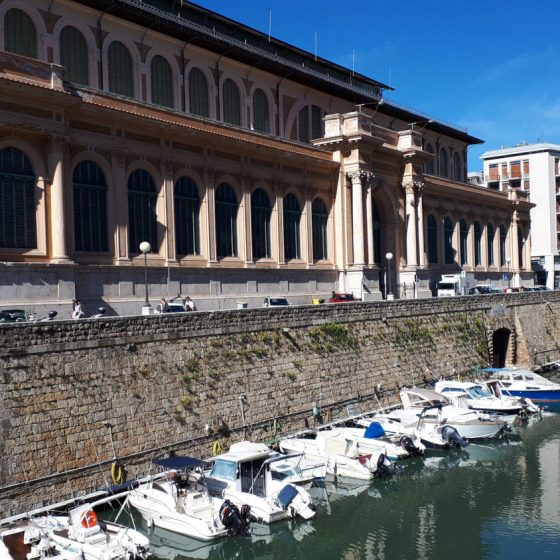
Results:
x,y
477,392
224,469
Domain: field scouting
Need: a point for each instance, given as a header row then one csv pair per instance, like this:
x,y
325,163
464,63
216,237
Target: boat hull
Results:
x,y
548,399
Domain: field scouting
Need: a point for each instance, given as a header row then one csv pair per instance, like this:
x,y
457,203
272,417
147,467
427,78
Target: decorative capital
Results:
x,y
362,177
413,186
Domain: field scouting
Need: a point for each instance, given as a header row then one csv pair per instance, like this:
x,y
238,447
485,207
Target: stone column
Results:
x,y
514,242
356,178
121,207
59,249
211,249
280,221
308,256
369,221
411,234
169,234
248,233
420,218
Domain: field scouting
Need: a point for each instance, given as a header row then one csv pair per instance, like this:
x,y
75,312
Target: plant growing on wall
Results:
x,y
413,334
330,337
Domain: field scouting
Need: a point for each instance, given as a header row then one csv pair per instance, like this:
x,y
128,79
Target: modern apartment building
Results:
x,y
251,167
534,171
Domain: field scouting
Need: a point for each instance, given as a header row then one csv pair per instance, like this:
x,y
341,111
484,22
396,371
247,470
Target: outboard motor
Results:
x,y
235,521
453,438
408,445
385,467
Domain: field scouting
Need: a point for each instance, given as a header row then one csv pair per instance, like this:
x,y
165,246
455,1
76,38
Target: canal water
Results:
x,y
500,500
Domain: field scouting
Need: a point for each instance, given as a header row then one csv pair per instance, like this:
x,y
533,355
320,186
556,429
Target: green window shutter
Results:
x,y
232,103
74,56
142,215
187,211
121,76
162,82
198,93
261,117
18,226
20,35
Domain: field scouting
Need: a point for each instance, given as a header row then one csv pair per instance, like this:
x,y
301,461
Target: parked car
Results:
x,y
15,316
343,298
510,290
171,308
484,289
275,301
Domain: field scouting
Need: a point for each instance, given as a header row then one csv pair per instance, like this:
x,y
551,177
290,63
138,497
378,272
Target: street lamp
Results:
x,y
146,248
389,257
508,261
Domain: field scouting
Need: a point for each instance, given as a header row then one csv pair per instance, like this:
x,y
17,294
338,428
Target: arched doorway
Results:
x,y
500,345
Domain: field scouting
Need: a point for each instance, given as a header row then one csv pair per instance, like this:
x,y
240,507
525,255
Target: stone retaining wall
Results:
x,y
74,394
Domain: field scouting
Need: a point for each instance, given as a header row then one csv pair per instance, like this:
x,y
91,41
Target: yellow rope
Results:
x,y
116,472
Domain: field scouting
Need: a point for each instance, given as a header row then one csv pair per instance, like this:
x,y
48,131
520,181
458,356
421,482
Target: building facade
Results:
x,y
533,170
251,167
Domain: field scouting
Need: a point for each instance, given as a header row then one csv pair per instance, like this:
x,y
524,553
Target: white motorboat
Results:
x,y
177,501
466,394
437,409
519,382
243,475
371,438
76,535
340,455
297,469
431,435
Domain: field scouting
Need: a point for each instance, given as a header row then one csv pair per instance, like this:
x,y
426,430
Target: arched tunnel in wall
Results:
x,y
500,345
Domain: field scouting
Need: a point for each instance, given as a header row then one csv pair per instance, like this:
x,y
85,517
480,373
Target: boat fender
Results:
x,y
88,519
217,447
117,472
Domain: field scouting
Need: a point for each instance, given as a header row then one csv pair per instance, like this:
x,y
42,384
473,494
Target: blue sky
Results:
x,y
491,66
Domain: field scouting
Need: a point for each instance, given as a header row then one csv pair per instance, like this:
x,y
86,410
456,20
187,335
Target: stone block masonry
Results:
x,y
76,394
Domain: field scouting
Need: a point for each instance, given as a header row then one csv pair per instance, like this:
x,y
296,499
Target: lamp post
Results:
x,y
389,257
508,261
146,248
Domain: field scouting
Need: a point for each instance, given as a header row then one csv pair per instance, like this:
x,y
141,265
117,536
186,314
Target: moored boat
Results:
x,y
519,382
179,502
340,454
79,534
243,475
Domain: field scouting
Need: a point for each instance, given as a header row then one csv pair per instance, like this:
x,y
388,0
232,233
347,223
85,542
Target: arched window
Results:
x,y
503,252
162,82
18,228
464,234
429,167
142,216
232,103
310,123
490,235
432,239
319,218
20,35
376,234
448,241
292,218
226,221
187,210
477,244
261,117
90,207
74,56
260,224
443,163
457,167
198,93
121,77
